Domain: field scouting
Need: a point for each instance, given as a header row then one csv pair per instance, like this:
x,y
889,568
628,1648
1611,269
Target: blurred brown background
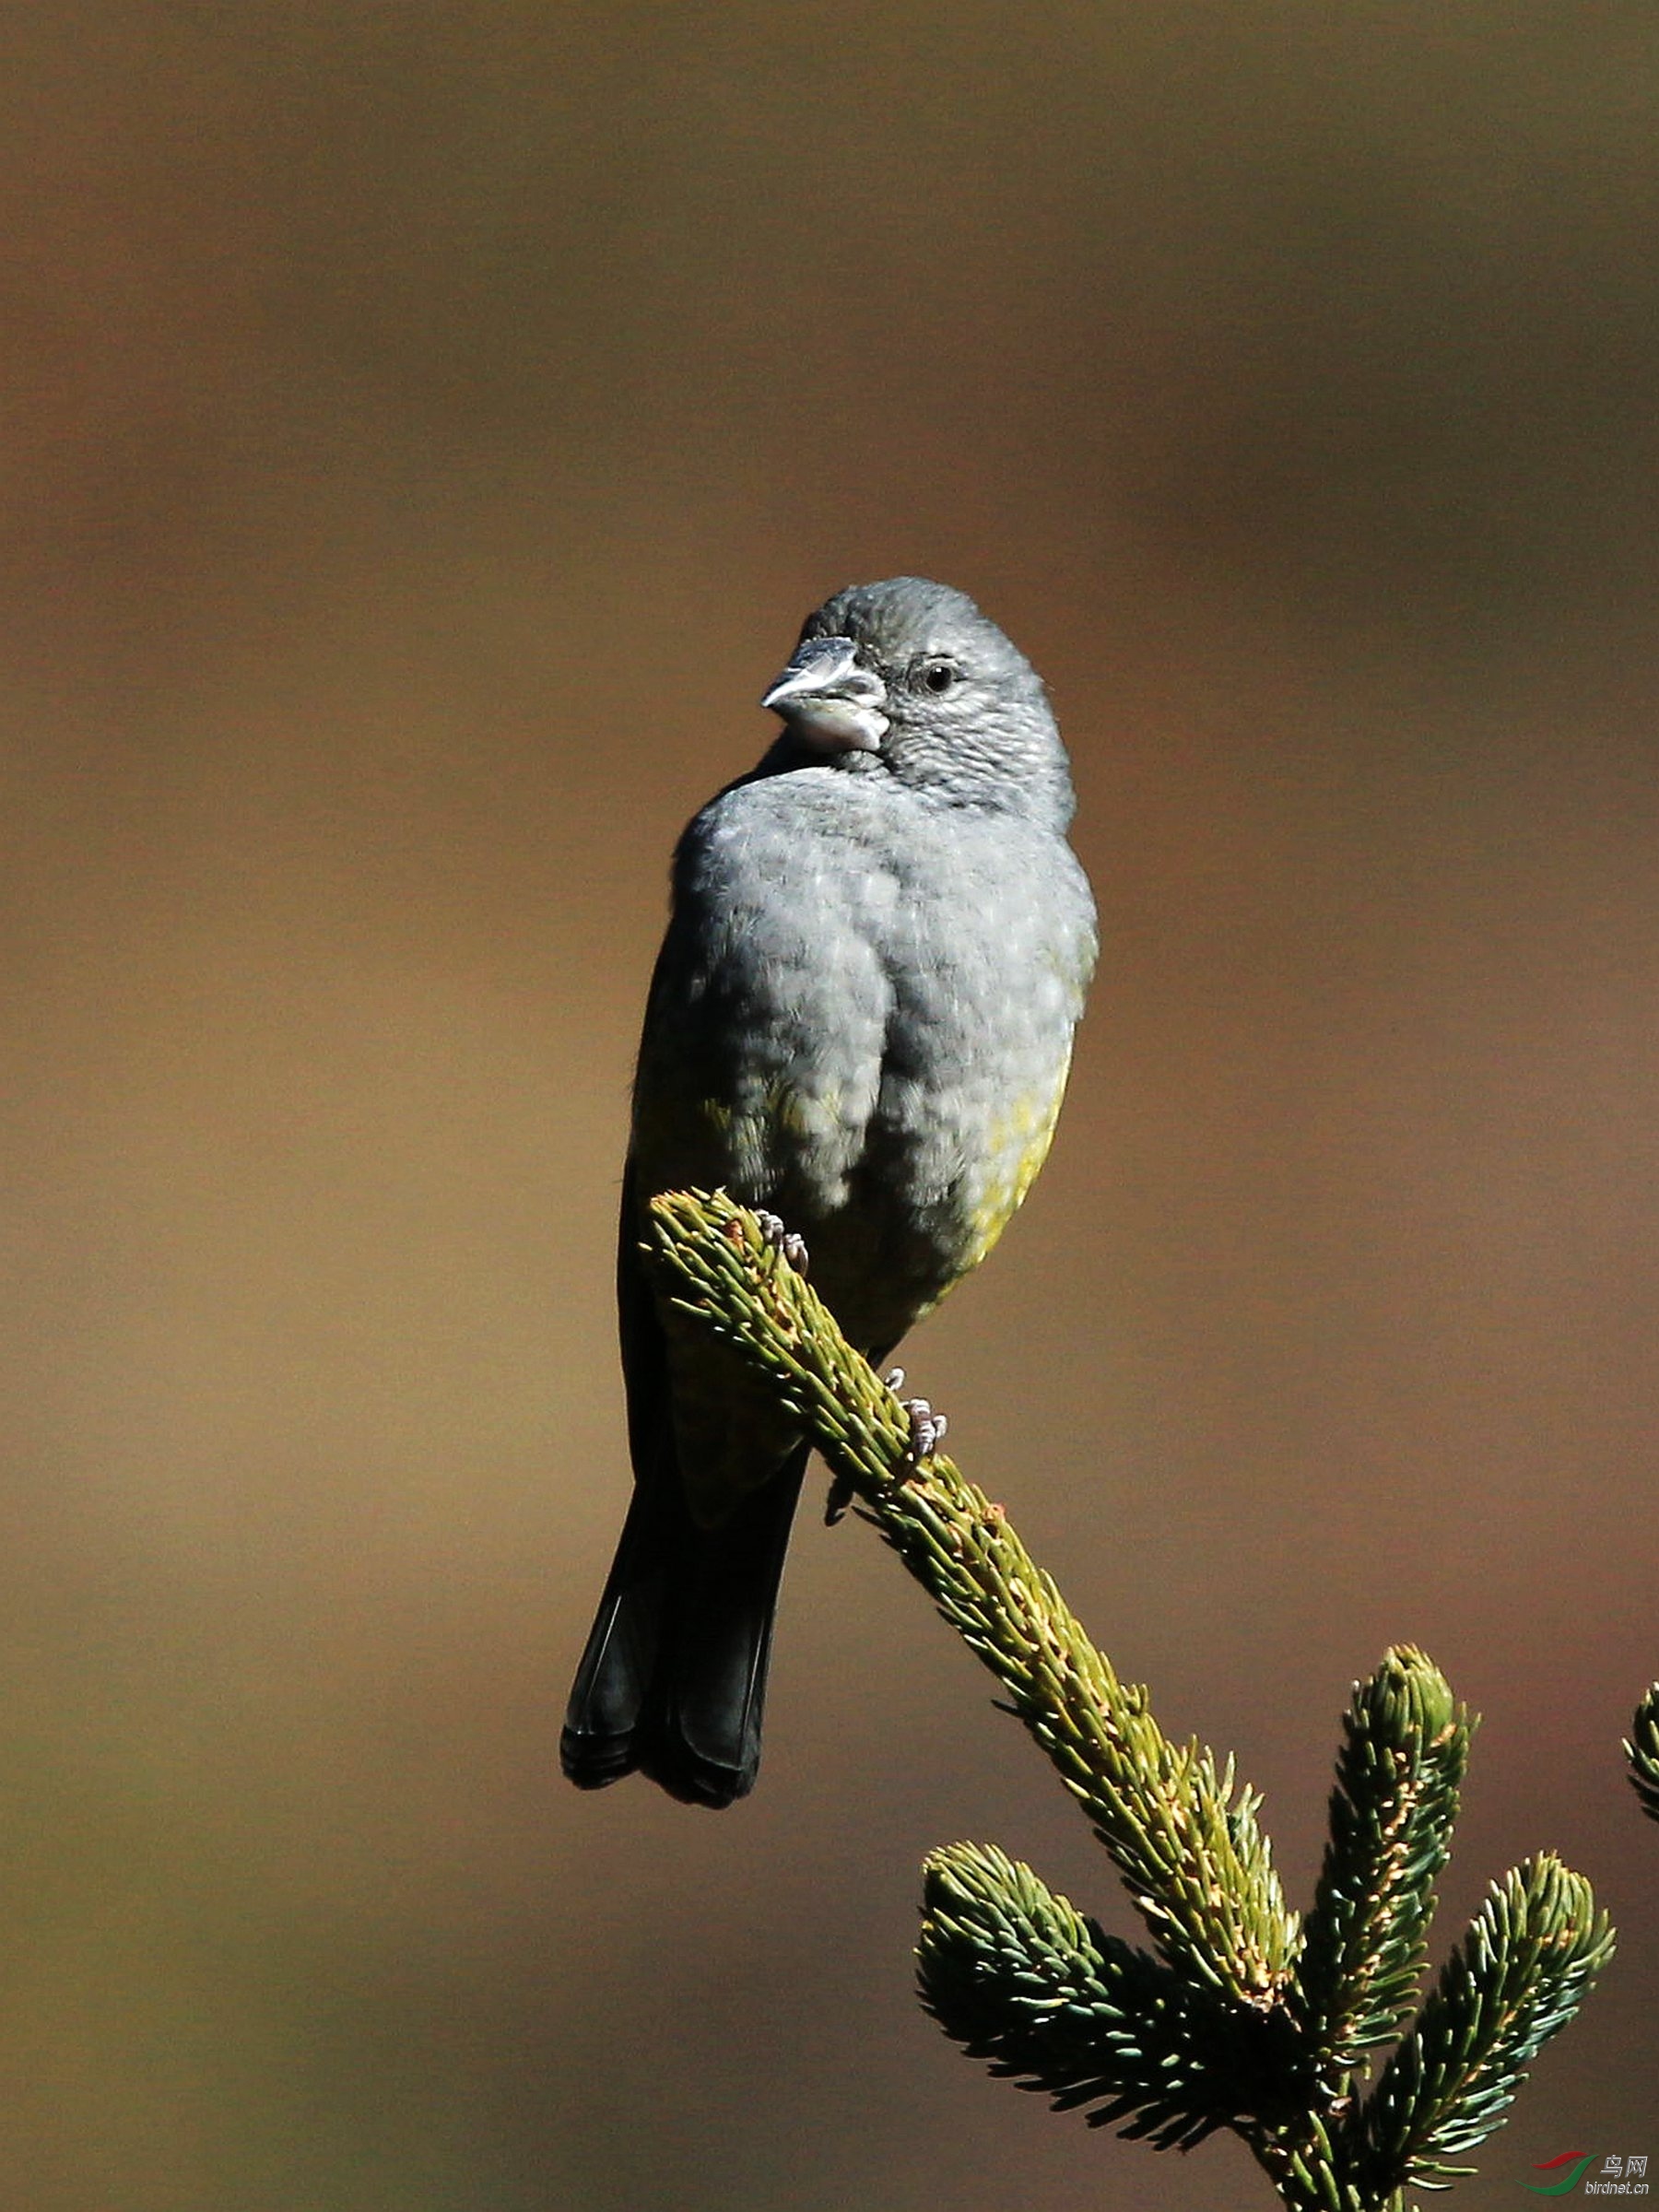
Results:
x,y
425,427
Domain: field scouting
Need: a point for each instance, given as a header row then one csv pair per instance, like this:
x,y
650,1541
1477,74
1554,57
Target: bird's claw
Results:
x,y
784,1242
926,1432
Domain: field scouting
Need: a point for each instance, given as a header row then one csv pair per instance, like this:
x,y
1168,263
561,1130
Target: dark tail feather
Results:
x,y
599,1743
674,1678
700,1737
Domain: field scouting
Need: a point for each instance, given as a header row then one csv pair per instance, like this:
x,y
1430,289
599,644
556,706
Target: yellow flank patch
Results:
x,y
1017,1145
789,1110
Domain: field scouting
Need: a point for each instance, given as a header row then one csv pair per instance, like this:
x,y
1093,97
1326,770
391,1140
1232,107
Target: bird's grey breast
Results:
x,y
862,1013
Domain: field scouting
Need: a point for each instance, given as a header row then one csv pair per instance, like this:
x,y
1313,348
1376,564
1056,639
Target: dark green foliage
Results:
x,y
1019,1977
1243,2019
1643,1751
1518,1977
1406,1746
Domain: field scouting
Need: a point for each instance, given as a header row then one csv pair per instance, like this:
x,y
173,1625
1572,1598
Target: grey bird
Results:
x,y
861,1020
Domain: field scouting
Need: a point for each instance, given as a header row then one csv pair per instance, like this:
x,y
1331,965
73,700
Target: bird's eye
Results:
x,y
938,676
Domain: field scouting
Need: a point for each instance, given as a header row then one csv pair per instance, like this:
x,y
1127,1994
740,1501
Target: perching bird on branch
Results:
x,y
861,1020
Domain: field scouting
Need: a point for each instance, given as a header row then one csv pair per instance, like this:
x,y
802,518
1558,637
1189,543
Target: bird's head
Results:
x,y
908,678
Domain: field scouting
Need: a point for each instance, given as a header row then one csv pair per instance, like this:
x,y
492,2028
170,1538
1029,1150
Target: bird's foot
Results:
x,y
782,1241
926,1433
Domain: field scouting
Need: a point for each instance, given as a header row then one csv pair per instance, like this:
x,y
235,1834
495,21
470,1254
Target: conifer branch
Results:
x,y
1242,2019
1515,1981
1198,1867
1405,1747
1642,1752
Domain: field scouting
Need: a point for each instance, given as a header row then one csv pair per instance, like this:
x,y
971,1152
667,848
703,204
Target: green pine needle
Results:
x,y
1312,2174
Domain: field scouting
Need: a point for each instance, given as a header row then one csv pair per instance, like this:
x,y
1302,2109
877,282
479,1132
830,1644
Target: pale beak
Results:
x,y
829,700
